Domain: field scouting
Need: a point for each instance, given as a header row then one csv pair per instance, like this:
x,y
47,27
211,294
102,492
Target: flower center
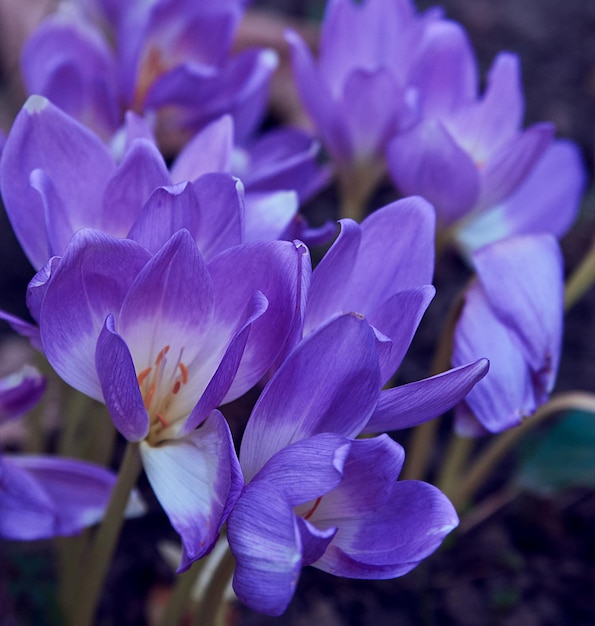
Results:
x,y
159,384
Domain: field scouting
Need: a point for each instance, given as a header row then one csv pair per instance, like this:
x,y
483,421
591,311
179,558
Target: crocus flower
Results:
x,y
167,54
42,496
513,316
357,94
313,495
163,340
468,152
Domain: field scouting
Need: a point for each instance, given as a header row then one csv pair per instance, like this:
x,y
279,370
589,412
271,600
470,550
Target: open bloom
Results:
x,y
164,340
313,494
44,496
513,315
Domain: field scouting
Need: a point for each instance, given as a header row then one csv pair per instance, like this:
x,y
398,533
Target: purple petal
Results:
x,y
208,151
119,384
20,392
193,478
79,491
27,511
384,527
547,201
88,284
76,161
398,319
423,400
318,101
444,69
269,214
427,161
506,394
511,164
307,469
169,304
37,287
141,171
314,541
23,328
523,279
264,538
334,381
275,269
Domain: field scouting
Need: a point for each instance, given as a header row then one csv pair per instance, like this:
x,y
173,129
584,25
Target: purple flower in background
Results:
x,y
42,496
357,94
468,152
163,341
170,57
313,495
513,315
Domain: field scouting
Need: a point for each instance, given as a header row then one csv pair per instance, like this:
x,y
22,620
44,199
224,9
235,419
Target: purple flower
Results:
x,y
313,495
512,315
173,55
468,152
163,340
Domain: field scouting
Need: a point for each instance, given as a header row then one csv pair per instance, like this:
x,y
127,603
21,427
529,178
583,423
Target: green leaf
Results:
x,y
562,457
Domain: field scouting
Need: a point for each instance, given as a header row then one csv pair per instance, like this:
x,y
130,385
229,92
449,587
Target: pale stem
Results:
x,y
484,465
457,453
581,279
104,544
180,598
210,611
357,182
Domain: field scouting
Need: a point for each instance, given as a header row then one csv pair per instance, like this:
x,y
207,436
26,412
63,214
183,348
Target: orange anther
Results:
x,y
176,387
184,371
143,376
161,354
162,420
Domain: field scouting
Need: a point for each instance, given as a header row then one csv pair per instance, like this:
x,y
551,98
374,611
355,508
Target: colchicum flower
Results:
x,y
513,315
163,341
313,494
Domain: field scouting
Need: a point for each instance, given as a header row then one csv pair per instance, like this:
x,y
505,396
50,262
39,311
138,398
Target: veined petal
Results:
x,y
530,269
275,268
193,478
314,541
269,214
264,538
307,469
43,137
334,381
119,384
385,527
506,394
169,304
88,283
423,400
37,287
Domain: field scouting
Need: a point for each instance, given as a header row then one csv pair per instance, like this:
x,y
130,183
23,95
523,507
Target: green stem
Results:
x,y
210,609
501,446
581,279
457,454
423,441
102,550
180,598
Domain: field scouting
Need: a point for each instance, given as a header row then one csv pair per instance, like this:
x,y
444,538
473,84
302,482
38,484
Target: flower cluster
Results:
x,y
169,285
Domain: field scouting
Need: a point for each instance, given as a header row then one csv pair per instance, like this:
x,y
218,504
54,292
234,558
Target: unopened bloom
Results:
x,y
513,315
